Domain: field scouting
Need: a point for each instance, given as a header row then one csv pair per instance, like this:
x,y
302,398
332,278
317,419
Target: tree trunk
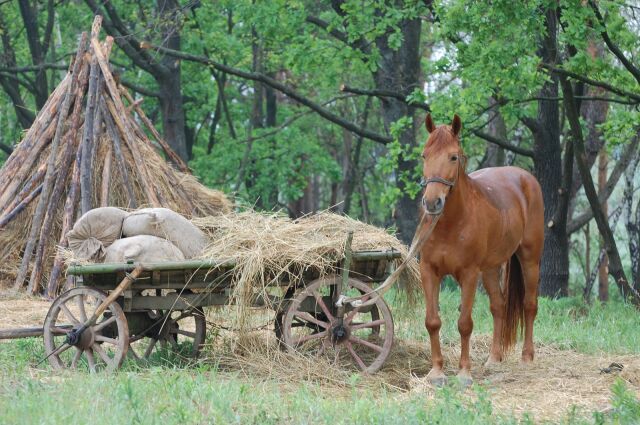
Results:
x,y
603,271
554,267
615,264
169,84
399,71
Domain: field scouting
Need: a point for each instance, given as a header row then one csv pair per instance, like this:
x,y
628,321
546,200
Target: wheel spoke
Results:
x,y
133,353
60,330
357,340
300,340
187,333
356,326
106,339
309,318
149,349
91,359
76,357
322,305
104,323
64,347
103,355
68,313
355,356
83,313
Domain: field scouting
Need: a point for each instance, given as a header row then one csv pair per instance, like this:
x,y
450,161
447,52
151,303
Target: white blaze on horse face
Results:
x,y
441,165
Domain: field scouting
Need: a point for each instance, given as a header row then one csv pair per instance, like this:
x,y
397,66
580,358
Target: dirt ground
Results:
x,y
557,380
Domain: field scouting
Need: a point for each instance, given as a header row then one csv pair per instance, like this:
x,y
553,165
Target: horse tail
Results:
x,y
514,295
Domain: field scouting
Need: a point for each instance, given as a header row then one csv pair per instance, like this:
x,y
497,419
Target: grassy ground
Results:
x,y
165,392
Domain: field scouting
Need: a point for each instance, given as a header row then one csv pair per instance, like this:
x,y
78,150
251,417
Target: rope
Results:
x,y
419,239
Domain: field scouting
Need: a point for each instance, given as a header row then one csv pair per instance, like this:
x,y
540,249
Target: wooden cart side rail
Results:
x,y
77,269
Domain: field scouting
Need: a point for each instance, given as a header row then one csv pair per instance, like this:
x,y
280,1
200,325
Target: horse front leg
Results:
x,y
431,289
468,283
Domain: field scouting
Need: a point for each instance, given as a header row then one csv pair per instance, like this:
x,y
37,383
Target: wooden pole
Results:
x,y
21,161
6,219
89,122
51,164
106,177
34,181
117,113
67,220
174,157
130,140
26,163
60,184
117,148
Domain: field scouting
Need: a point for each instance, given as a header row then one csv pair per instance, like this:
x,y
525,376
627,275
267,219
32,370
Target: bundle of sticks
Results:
x,y
85,149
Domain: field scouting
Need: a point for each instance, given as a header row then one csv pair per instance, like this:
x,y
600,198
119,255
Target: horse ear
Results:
x,y
456,124
428,122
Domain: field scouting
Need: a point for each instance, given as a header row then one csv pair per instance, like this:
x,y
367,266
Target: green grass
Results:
x,y
166,393
566,323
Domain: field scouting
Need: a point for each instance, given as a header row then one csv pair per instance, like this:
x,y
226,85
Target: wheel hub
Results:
x,y
81,337
339,332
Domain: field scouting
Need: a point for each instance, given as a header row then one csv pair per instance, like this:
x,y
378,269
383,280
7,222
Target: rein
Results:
x,y
419,239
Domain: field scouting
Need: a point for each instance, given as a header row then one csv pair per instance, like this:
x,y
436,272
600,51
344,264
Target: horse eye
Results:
x,y
454,158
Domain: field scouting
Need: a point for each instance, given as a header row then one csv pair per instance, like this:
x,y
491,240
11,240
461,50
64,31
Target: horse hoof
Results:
x,y
465,381
437,378
527,359
438,382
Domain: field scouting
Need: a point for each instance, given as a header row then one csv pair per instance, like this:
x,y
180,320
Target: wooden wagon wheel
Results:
x,y
172,330
366,335
102,346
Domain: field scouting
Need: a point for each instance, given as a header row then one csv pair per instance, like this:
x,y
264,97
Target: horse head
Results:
x,y
443,163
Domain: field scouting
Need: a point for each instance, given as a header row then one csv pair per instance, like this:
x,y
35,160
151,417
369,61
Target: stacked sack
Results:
x,y
112,235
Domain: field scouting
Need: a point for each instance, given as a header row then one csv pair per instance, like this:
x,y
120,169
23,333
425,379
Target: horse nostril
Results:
x,y
438,204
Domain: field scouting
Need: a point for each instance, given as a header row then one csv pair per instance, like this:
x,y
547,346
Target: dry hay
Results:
x,y
268,248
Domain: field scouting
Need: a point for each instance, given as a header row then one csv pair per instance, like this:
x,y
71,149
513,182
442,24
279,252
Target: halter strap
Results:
x,y
436,179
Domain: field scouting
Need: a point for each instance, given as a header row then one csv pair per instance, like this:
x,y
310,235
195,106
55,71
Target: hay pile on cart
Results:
x,y
86,149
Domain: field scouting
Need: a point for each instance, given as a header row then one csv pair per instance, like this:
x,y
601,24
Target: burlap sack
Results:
x,y
95,231
167,224
142,249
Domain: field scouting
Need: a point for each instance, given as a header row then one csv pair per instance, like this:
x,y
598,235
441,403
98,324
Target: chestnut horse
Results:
x,y
488,218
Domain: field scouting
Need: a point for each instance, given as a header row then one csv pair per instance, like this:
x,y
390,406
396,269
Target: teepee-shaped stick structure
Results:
x,y
85,149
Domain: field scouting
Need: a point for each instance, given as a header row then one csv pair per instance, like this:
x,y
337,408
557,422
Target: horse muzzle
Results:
x,y
433,207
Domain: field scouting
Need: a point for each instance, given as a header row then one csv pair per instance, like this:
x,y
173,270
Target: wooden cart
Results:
x,y
138,309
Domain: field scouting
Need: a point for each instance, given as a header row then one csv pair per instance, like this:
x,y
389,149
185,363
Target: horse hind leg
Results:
x,y
531,275
491,280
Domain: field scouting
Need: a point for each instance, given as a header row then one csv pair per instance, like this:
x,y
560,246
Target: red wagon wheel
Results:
x,y
102,346
366,334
